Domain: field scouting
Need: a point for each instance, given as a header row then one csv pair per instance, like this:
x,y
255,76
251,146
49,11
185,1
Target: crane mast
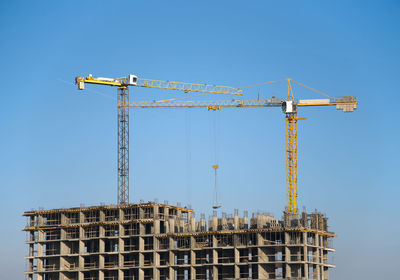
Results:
x,y
123,114
292,192
291,164
123,147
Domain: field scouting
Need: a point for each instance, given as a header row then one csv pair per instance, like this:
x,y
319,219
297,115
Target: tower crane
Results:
x,y
122,84
289,107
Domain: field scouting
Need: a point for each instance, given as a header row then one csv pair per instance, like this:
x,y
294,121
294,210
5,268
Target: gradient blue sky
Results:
x,y
58,145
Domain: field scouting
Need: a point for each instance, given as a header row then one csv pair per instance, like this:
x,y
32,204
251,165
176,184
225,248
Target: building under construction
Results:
x,y
160,241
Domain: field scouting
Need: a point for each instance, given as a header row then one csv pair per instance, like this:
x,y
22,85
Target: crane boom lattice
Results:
x,y
188,87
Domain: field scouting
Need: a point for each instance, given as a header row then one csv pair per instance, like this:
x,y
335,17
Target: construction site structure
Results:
x,y
160,241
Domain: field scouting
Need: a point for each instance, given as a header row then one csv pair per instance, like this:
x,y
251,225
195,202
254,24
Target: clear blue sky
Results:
x,y
58,145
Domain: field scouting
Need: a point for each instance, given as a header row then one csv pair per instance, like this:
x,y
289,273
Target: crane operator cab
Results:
x,y
131,80
288,107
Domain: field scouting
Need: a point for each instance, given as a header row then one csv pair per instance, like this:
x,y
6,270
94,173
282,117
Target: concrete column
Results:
x,y
156,214
102,216
40,220
120,240
171,273
101,275
192,261
306,271
63,251
171,225
63,233
224,223
305,258
101,246
141,215
236,256
40,245
156,244
288,271
157,226
120,256
39,253
214,223
81,264
237,272
215,256
141,243
214,241
102,231
156,259
317,256
121,214
101,261
167,227
214,273
259,239
192,273
81,217
141,260
63,219
246,222
81,233
156,273
181,225
81,247
171,243
120,274
80,275
236,220
171,258
192,225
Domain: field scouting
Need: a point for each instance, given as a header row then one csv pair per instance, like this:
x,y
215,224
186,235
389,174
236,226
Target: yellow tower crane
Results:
x,y
289,107
122,84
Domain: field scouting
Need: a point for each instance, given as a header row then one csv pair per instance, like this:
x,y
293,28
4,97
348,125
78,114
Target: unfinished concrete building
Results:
x,y
160,241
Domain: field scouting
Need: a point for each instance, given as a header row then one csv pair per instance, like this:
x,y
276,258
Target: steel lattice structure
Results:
x,y
123,147
291,164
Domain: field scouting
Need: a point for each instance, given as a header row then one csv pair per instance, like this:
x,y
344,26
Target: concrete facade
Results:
x,y
160,241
